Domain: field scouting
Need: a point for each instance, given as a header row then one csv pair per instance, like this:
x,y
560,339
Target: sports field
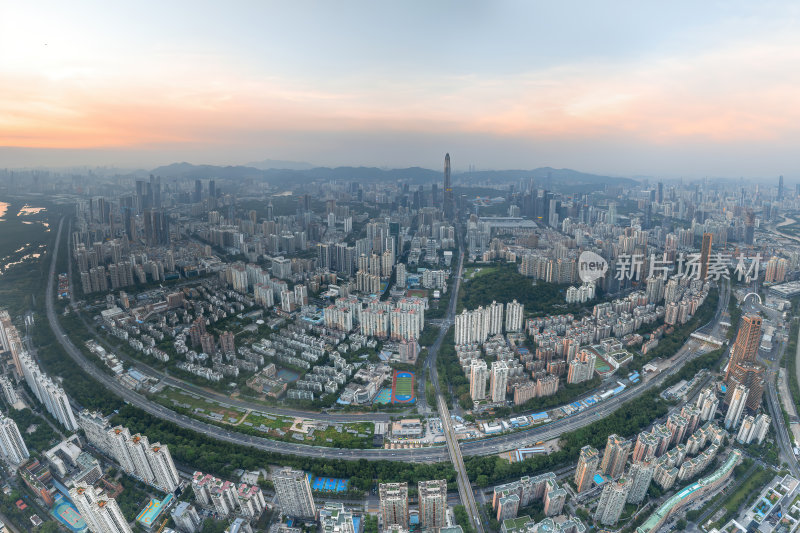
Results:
x,y
65,512
384,396
327,484
403,387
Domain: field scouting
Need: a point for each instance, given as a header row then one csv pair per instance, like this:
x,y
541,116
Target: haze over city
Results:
x,y
622,88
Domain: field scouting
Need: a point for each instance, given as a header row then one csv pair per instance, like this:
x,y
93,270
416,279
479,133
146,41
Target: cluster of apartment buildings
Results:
x,y
226,498
150,463
403,319
508,499
48,392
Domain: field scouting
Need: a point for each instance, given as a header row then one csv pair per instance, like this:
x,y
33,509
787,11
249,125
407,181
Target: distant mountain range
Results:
x,y
546,176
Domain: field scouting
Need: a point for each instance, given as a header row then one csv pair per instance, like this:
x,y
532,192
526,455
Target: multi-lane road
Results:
x,y
428,454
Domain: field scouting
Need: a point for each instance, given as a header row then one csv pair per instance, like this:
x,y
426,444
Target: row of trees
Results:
x,y
631,418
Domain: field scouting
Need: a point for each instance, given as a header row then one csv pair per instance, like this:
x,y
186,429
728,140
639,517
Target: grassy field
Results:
x,y
251,422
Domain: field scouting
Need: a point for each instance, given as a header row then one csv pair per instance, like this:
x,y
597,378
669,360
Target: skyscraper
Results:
x,y
747,340
587,467
432,503
780,188
615,456
394,503
743,369
294,493
705,255
11,444
449,206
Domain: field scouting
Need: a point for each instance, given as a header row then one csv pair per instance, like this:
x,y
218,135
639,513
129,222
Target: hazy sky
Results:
x,y
654,88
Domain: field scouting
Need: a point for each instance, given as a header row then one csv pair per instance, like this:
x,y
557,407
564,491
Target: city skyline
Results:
x,y
693,91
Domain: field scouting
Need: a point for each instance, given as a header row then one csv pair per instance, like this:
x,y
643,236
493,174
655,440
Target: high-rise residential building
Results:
x,y
646,447
615,456
102,514
449,204
477,380
11,444
164,472
432,503
640,474
394,503
294,493
736,407
612,501
588,462
8,390
705,255
514,313
334,518
498,381
186,518
581,368
554,498
707,402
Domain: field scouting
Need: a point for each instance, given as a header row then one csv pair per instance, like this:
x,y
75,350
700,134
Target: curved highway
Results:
x,y
429,454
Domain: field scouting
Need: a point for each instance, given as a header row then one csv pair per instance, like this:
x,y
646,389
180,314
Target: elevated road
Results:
x,y
429,454
453,448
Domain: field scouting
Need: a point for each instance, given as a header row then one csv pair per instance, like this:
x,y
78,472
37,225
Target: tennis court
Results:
x,y
65,512
403,387
327,484
384,396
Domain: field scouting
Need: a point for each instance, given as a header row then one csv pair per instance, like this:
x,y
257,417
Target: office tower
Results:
x,y
743,368
102,514
499,379
432,503
736,407
780,188
198,191
612,501
615,456
587,467
514,314
640,474
612,213
294,493
394,503
477,380
333,518
705,255
747,340
660,193
11,444
749,226
186,518
449,205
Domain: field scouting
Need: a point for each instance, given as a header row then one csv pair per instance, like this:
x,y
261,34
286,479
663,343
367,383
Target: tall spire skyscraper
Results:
x,y
448,190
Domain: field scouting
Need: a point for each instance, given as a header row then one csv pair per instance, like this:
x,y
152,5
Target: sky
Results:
x,y
639,88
